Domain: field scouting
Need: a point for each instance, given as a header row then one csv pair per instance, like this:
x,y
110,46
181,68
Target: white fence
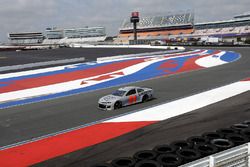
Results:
x,y
234,157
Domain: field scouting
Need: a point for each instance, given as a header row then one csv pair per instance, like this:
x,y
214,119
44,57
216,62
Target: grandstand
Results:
x,y
157,28
55,36
244,15
233,31
26,38
74,35
237,29
181,28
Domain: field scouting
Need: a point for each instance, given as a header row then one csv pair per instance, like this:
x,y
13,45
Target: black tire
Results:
x,y
237,139
227,131
246,132
102,165
164,149
247,122
239,127
181,144
145,155
222,144
188,155
117,105
169,160
145,98
206,149
197,140
147,163
123,161
212,135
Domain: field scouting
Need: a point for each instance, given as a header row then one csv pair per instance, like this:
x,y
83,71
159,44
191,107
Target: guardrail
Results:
x,y
102,59
76,45
236,156
40,64
170,49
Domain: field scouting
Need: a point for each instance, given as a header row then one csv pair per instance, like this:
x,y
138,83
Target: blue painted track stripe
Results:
x,y
148,72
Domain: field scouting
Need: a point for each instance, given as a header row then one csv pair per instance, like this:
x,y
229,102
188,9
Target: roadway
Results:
x,y
9,58
38,119
219,115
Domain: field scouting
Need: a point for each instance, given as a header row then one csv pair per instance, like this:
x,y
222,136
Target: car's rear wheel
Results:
x,y
145,98
117,105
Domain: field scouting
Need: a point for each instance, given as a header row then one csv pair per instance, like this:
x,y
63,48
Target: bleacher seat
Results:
x,y
160,21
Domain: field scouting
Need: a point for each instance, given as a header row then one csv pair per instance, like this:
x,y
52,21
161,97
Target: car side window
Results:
x,y
140,90
131,92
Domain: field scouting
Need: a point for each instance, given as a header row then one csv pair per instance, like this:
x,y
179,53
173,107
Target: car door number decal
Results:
x,y
132,99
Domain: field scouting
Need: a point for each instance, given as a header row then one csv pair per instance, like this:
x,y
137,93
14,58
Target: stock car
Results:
x,y
125,96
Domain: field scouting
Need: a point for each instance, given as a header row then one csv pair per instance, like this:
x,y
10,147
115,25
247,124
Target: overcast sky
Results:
x,y
36,15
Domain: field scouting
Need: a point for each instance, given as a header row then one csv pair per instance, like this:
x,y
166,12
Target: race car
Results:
x,y
125,96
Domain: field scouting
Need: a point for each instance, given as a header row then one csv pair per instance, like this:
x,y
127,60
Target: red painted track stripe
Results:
x,y
70,76
44,149
248,79
191,65
65,77
107,76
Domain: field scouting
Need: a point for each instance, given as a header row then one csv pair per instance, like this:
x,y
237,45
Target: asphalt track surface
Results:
x,y
8,58
208,119
38,119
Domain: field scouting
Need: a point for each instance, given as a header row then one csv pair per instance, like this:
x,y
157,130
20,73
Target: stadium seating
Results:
x,y
161,21
73,40
222,31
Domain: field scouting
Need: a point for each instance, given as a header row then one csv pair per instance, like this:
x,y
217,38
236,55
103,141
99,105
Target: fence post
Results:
x,y
248,153
211,161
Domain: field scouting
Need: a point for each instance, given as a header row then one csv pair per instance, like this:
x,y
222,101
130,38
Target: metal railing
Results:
x,y
234,157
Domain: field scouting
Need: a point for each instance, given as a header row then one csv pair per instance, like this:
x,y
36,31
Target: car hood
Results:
x,y
109,98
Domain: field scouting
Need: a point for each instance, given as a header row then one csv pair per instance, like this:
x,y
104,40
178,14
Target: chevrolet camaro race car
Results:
x,y
124,97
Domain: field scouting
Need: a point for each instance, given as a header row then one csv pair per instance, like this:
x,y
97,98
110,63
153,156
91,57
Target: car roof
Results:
x,y
127,88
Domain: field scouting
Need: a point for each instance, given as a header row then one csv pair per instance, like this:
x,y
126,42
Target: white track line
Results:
x,y
185,105
52,69
76,84
163,111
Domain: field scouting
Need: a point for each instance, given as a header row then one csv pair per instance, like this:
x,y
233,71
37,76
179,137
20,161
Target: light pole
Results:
x,y
135,19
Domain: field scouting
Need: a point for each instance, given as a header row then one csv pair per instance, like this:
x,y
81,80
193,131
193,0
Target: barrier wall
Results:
x,y
39,64
75,45
102,59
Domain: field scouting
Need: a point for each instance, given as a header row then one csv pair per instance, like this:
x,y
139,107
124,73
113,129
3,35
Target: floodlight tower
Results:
x,y
135,19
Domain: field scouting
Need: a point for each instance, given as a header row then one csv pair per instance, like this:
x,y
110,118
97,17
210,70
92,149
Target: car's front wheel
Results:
x,y
145,98
117,105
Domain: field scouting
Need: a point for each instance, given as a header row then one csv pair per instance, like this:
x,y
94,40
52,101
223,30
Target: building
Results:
x,y
24,38
54,33
157,28
234,30
74,35
180,28
58,36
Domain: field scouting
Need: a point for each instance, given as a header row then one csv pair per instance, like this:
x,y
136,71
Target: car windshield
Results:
x,y
118,93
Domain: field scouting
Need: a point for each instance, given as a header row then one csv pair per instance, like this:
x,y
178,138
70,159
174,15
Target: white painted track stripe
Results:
x,y
38,71
52,69
75,84
244,86
40,64
211,61
185,105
